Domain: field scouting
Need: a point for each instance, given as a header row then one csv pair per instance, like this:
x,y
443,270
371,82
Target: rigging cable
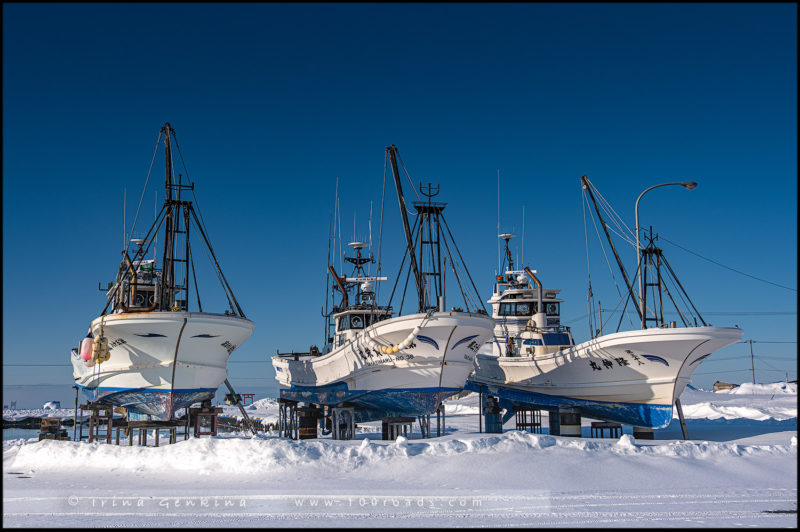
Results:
x,y
610,269
461,259
135,218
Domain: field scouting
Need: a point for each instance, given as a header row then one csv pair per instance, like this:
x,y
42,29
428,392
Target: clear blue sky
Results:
x,y
271,102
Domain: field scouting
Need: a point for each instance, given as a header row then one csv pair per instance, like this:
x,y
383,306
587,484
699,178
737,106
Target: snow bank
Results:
x,y
748,388
43,412
274,457
758,402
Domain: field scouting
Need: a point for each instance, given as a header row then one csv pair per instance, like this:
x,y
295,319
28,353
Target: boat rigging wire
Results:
x,y
462,261
589,294
135,218
380,230
605,254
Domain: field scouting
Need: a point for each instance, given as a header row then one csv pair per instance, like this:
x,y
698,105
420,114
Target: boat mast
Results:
x,y
409,241
167,279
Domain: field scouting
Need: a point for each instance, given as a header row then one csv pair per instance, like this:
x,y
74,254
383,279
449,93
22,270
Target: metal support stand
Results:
x,y
528,419
491,414
75,415
80,429
683,421
598,429
392,427
425,425
343,424
247,422
480,417
440,420
554,422
569,421
287,419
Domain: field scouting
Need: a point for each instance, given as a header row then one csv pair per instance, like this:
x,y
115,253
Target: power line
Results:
x,y
728,267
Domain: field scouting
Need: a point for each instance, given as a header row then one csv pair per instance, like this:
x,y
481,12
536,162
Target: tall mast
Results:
x,y
167,279
409,241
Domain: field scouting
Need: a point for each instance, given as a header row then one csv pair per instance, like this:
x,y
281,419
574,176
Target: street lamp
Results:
x,y
688,185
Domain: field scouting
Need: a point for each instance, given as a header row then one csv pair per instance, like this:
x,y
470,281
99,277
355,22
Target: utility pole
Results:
x,y
752,365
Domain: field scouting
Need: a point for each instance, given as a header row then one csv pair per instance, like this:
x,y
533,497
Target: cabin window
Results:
x,y
506,309
556,339
552,308
357,321
523,309
344,323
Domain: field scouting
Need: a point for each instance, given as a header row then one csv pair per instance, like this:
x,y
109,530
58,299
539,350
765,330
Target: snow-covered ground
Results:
x,y
739,469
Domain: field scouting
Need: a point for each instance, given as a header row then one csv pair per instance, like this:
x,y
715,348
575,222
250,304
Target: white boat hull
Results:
x,y
161,361
632,377
411,381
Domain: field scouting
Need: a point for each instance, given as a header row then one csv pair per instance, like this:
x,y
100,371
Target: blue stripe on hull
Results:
x,y
372,405
636,414
154,403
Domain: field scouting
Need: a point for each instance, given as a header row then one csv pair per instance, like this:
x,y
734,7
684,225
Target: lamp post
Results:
x,y
688,185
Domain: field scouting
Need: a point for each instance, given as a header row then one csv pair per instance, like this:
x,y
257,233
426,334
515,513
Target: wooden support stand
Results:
x,y
307,418
144,426
205,412
102,415
50,429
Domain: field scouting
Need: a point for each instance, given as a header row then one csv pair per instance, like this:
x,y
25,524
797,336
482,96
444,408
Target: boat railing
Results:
x,y
313,352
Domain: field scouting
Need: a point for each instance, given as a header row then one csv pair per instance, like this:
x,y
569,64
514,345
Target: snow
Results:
x,y
740,469
748,401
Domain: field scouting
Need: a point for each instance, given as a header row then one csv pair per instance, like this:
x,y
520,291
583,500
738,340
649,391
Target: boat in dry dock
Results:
x,y
378,361
147,351
633,377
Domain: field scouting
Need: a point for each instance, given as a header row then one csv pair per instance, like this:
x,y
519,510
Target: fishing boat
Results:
x,y
378,361
148,351
633,377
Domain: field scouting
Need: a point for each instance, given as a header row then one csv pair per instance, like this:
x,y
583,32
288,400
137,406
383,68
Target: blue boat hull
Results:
x,y
651,416
159,405
372,405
